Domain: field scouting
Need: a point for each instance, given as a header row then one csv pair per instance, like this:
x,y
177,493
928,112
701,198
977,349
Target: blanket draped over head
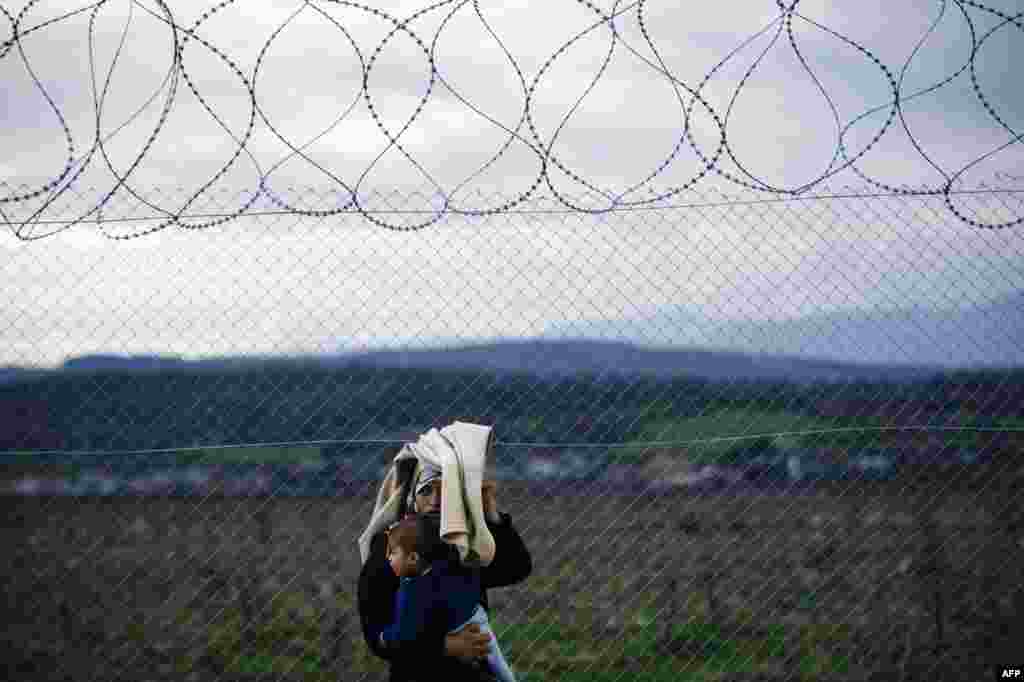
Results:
x,y
458,453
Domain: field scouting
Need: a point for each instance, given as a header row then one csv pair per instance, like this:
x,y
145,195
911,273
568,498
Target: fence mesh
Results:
x,y
742,438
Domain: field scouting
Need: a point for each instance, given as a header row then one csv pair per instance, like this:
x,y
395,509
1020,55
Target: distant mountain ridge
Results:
x,y
540,357
901,344
563,358
123,362
985,335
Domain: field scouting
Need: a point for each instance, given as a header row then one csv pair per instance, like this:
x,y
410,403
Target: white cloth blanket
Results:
x,y
460,450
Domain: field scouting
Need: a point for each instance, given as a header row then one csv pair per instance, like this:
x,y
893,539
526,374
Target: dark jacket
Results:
x,y
425,659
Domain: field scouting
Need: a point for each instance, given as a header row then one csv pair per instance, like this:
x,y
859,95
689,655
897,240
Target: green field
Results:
x,y
545,650
728,436
719,437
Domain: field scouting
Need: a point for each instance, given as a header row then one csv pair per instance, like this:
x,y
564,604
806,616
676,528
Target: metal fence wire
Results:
x,y
743,438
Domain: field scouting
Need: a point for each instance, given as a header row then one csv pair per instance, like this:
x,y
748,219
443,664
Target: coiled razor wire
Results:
x,y
183,39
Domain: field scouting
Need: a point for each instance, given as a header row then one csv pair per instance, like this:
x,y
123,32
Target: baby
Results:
x,y
435,590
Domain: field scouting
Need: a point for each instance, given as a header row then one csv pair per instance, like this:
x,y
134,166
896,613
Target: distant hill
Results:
x,y
544,358
962,336
558,358
10,374
13,374
123,362
899,344
990,335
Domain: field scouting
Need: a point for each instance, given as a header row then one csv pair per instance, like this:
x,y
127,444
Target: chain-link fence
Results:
x,y
742,438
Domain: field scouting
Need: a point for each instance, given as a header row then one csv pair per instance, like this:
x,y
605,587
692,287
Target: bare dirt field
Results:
x,y
850,582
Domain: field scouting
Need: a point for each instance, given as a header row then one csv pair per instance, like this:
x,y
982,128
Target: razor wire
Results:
x,y
42,200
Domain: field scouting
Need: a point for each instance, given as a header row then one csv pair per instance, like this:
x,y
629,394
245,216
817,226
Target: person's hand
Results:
x,y
489,492
468,644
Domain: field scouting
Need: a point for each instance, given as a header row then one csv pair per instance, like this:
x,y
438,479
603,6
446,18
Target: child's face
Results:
x,y
402,563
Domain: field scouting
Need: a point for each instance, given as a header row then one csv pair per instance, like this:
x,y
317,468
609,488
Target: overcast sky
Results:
x,y
292,284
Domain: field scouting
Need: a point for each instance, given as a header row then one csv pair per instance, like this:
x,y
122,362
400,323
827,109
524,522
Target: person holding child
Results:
x,y
416,487
435,590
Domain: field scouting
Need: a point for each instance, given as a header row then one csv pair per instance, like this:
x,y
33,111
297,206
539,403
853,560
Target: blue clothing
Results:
x,y
446,586
447,593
